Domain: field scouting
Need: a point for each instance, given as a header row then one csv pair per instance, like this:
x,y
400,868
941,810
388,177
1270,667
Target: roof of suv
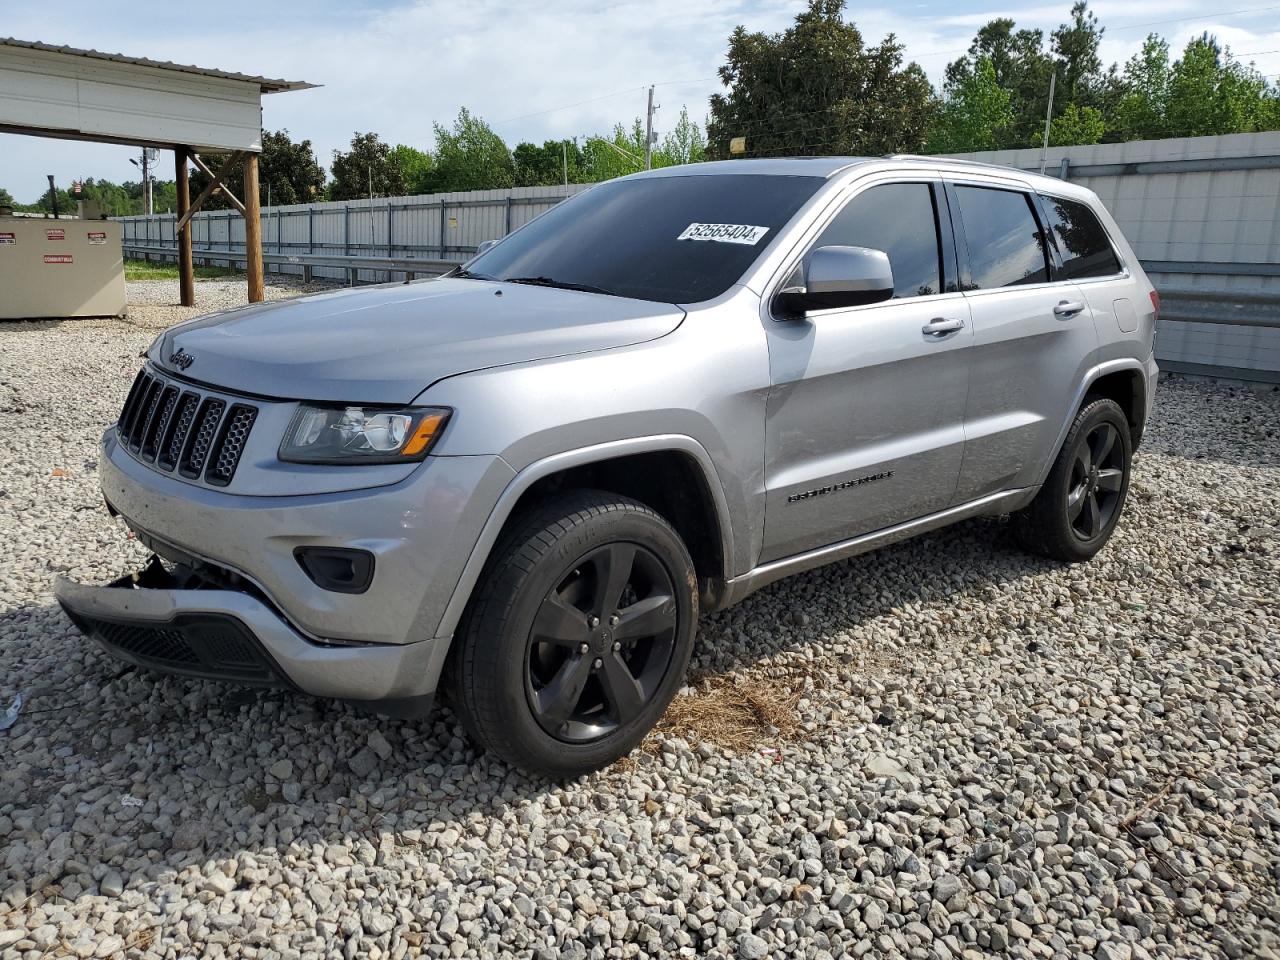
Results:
x,y
827,167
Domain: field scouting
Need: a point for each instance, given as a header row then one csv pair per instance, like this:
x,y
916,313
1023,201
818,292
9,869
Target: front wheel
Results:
x,y
1077,509
578,636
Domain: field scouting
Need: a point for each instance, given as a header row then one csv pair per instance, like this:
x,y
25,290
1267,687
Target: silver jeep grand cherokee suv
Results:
x,y
521,483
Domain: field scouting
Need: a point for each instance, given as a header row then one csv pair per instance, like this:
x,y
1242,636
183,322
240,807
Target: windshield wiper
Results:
x,y
464,274
560,284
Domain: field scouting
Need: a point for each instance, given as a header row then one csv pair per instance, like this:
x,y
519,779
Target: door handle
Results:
x,y
940,326
1068,308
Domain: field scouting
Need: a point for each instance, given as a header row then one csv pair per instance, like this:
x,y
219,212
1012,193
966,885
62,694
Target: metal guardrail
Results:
x,y
410,267
1237,309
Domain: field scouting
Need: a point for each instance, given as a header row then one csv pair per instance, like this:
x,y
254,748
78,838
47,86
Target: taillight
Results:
x,y
1155,303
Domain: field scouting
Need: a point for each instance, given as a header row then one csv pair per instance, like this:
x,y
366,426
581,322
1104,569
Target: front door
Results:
x,y
864,421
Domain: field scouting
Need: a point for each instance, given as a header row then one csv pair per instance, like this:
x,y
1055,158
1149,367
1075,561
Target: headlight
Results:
x,y
362,434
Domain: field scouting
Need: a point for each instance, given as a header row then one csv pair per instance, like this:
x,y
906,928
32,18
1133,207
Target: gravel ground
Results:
x,y
988,754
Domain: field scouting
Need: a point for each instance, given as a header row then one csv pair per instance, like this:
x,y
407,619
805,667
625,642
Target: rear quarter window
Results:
x,y
1082,240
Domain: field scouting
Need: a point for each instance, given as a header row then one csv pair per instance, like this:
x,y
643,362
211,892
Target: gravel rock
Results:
x,y
1082,758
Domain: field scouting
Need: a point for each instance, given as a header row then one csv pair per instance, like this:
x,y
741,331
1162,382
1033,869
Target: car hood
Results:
x,y
387,344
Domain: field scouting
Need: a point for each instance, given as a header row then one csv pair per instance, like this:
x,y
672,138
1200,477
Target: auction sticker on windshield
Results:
x,y
724,233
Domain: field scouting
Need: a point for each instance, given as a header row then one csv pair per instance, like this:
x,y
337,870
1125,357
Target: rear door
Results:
x,y
1034,337
865,416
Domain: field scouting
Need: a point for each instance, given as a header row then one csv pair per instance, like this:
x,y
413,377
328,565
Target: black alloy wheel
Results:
x,y
577,635
601,643
1097,478
1080,502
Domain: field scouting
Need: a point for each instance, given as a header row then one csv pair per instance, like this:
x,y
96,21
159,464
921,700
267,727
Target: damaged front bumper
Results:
x,y
180,620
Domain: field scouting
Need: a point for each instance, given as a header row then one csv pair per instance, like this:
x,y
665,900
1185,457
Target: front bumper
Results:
x,y
420,532
158,620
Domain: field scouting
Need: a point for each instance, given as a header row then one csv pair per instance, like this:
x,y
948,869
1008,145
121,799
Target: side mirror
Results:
x,y
484,245
837,277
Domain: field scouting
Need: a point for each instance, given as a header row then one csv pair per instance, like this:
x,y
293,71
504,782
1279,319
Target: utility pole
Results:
x,y
1048,118
565,150
53,197
146,183
648,132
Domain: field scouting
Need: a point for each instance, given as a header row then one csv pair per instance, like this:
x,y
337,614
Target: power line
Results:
x,y
569,106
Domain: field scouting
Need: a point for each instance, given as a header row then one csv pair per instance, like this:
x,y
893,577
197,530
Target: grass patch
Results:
x,y
142,270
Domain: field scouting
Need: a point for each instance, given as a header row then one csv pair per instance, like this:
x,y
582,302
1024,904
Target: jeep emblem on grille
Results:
x,y
182,359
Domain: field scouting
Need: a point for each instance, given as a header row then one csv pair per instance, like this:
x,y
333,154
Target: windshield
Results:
x,y
679,239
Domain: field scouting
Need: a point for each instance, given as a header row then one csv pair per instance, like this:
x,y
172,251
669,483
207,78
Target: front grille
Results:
x,y
147,643
226,453
205,645
179,429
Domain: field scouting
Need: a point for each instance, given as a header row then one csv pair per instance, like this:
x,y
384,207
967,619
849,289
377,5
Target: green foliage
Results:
x,y
818,89
1142,108
287,173
542,166
975,113
470,156
1021,67
416,167
1210,93
1075,51
1077,125
366,168
147,270
616,155
6,198
684,143
1205,92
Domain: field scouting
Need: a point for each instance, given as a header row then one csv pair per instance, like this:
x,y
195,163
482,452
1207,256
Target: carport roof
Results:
x,y
265,84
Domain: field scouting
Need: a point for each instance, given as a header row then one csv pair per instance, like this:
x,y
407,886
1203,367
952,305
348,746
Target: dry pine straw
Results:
x,y
735,713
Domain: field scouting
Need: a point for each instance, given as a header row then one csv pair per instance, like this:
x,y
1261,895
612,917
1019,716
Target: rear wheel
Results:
x,y
1077,509
578,636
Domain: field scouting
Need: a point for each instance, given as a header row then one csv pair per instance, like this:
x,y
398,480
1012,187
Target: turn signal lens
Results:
x,y
426,432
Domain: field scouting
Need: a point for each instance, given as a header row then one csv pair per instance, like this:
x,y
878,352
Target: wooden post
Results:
x,y
186,269
253,230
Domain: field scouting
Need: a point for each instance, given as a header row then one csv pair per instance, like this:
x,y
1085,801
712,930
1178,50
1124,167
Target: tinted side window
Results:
x,y
1086,249
898,218
1003,236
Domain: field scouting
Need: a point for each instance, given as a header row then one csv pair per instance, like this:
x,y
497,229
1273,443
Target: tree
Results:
x,y
817,88
614,156
1077,125
684,143
975,114
1212,93
287,173
541,166
416,167
470,156
1140,112
1075,51
1021,67
6,198
1205,92
366,168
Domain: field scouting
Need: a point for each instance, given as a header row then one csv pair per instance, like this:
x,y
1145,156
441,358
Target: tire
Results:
x,y
1077,509
541,674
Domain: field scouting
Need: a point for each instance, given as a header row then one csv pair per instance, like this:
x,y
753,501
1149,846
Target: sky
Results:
x,y
534,71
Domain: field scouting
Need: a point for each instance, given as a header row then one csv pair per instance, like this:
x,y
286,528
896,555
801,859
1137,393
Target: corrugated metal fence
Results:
x,y
442,226
1202,213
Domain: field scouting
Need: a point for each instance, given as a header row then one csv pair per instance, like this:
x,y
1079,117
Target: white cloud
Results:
x,y
397,68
